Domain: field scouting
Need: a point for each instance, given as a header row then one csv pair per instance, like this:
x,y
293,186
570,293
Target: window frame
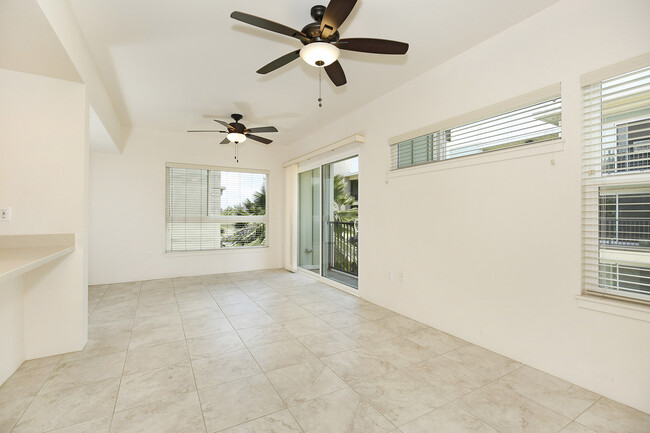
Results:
x,y
227,219
443,129
601,178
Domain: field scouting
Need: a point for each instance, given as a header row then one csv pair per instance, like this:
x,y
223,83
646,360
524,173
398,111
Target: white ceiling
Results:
x,y
173,65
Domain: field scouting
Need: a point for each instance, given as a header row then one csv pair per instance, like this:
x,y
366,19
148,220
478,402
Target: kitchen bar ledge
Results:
x,y
22,253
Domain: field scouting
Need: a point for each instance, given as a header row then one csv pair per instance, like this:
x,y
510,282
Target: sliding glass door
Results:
x,y
328,241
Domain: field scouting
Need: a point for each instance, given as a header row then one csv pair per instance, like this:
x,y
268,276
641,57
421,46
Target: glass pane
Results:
x,y
309,220
340,211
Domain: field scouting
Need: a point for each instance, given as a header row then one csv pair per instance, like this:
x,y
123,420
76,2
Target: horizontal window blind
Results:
x,y
531,124
210,209
616,186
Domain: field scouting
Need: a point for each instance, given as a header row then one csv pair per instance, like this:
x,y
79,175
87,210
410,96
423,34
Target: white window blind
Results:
x,y
616,186
214,208
531,124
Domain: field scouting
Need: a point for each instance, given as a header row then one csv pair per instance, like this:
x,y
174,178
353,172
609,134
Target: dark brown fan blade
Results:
x,y
260,139
225,141
279,62
337,11
230,128
376,46
263,129
207,130
265,24
336,74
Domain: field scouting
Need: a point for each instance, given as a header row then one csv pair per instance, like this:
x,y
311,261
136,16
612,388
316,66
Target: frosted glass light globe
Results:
x,y
236,137
319,54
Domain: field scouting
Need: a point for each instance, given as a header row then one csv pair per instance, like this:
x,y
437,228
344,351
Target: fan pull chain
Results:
x,y
320,87
237,152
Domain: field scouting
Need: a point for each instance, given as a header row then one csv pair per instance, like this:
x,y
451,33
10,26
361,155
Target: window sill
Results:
x,y
615,307
486,158
175,254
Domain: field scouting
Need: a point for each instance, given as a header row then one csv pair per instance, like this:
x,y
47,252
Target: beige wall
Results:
x,y
43,169
127,207
491,250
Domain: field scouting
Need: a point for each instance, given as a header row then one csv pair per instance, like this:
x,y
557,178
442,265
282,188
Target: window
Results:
x,y
532,124
616,186
210,208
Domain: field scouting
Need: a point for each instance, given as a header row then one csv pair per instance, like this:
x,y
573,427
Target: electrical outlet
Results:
x,y
402,276
5,213
390,275
148,254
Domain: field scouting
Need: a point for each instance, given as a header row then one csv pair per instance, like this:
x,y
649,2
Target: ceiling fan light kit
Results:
x,y
236,137
320,54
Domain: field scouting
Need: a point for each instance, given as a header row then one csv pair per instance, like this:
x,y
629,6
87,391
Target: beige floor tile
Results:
x,y
327,343
204,313
199,327
299,383
101,345
181,413
112,313
607,416
279,422
237,402
341,411
306,326
374,312
485,362
68,374
152,357
241,308
233,296
286,313
214,345
281,354
401,325
264,335
368,332
197,304
69,406
11,408
25,383
151,337
40,362
438,341
447,377
145,323
506,410
343,319
399,397
357,365
99,425
574,427
448,418
224,368
251,320
154,385
563,397
323,307
155,309
400,351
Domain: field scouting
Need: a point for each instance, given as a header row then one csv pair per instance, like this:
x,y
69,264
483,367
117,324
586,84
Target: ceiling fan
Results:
x,y
321,39
238,133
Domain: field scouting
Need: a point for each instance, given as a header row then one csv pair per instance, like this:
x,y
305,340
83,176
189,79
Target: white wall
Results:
x,y
127,207
492,251
43,169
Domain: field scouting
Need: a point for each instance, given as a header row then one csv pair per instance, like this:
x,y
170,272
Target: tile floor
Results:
x,y
275,352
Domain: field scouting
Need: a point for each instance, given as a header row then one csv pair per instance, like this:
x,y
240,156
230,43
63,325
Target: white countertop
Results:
x,y
17,261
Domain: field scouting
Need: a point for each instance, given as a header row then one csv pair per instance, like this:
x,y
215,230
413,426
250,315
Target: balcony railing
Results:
x,y
344,247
